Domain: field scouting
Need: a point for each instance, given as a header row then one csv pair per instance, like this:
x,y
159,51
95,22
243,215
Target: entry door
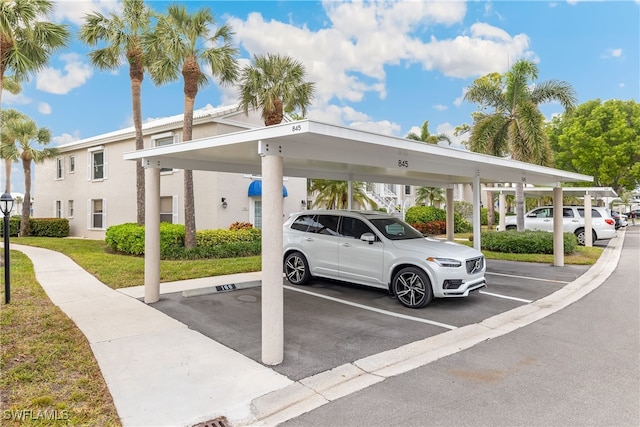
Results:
x,y
360,261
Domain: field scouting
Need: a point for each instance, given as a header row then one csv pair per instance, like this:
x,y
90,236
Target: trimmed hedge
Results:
x,y
525,242
427,214
431,227
38,227
241,241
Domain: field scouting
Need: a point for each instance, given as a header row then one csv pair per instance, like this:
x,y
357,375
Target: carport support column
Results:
x,y
450,218
558,236
502,211
151,234
476,211
272,280
588,221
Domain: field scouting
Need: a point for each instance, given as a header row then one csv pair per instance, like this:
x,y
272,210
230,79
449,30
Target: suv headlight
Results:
x,y
445,262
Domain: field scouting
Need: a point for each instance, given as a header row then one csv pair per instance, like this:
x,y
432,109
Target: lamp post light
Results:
x,y
6,205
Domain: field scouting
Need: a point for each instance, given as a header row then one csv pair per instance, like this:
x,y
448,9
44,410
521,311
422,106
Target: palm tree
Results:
x,y
27,39
8,150
122,35
335,194
425,136
179,44
275,85
432,194
27,135
515,120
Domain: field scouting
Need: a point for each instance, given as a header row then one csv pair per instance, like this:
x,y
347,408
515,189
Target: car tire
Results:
x,y
511,227
412,287
580,235
296,268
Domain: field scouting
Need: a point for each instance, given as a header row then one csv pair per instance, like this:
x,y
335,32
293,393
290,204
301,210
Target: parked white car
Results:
x,y
379,250
602,225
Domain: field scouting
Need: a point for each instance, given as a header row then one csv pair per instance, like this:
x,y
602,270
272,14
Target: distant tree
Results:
x,y
121,36
27,38
514,119
274,84
425,136
179,44
601,139
28,138
335,194
430,194
8,149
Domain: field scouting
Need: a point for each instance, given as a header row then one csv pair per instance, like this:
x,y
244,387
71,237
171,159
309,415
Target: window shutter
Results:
x,y
174,210
89,159
106,165
55,214
89,222
104,214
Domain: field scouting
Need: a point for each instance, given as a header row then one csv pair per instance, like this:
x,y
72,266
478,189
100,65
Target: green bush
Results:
x,y
220,236
229,250
39,227
484,216
431,228
426,214
526,242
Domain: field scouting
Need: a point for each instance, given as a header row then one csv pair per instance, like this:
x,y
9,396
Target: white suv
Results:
x,y
379,250
602,225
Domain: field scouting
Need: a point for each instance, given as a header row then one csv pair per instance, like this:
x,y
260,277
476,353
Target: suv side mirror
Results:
x,y
368,237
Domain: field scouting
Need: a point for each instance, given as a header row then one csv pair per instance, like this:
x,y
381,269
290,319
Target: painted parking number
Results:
x,y
403,163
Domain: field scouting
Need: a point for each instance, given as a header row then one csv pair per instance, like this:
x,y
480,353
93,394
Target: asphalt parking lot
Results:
x,y
328,324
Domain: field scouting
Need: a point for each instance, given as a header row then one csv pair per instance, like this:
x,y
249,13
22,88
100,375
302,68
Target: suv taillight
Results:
x,y
609,221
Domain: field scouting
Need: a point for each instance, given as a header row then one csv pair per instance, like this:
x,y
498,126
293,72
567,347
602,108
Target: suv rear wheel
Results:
x,y
412,287
580,235
296,268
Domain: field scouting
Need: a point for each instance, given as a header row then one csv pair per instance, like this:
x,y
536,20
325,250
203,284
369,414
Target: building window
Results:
x,y
60,168
70,210
407,190
59,212
257,213
162,140
97,213
169,209
97,164
72,164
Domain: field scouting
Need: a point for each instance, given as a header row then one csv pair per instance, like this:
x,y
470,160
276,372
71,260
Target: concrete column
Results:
x,y
588,220
476,211
350,194
272,279
450,219
151,235
558,237
502,211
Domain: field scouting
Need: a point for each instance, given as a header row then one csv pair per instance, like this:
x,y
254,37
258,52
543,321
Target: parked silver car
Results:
x,y
379,250
602,225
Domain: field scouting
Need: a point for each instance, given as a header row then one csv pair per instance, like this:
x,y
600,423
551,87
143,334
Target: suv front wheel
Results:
x,y
412,287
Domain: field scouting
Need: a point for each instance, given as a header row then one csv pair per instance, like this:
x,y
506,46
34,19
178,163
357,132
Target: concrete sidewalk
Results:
x,y
160,373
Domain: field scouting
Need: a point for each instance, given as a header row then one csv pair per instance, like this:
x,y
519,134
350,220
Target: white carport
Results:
x,y
586,192
317,150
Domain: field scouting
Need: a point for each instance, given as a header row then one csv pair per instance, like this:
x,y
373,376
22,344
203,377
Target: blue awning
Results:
x,y
255,189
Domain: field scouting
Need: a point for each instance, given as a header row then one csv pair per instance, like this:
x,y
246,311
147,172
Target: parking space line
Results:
x,y
377,310
528,278
506,297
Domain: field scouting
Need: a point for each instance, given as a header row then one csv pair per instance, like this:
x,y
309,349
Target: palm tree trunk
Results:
x,y
26,205
520,206
491,212
190,92
7,174
137,75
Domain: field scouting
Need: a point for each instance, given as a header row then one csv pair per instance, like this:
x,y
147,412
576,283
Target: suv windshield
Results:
x,y
394,229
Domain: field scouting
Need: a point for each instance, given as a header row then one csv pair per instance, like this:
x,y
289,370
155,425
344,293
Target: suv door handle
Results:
x,y
346,245
309,239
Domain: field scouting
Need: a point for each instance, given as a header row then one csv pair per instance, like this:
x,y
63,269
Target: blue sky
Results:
x,y
383,66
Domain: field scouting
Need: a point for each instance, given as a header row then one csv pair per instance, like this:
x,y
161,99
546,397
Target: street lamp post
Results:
x,y
6,204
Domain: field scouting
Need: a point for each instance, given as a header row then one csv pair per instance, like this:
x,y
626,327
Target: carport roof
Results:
x,y
313,149
568,191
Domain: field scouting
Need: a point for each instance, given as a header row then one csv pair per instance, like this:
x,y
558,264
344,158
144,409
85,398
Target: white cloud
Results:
x,y
384,127
75,74
440,107
75,10
449,130
616,52
10,99
44,108
65,138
